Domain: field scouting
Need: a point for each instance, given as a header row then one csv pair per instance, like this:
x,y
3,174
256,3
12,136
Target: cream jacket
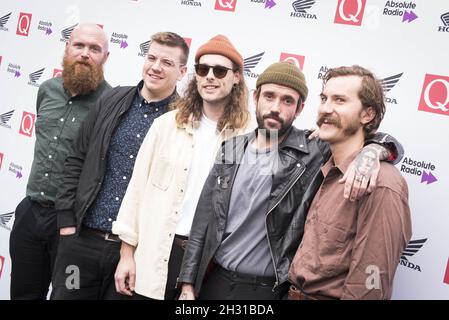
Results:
x,y
150,209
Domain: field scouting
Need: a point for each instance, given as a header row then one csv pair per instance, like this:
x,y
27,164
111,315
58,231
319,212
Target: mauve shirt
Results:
x,y
350,250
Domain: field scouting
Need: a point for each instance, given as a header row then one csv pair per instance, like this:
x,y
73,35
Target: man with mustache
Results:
x,y
250,216
99,167
350,250
62,104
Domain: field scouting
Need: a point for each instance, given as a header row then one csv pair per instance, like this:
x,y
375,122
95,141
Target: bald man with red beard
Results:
x,y
62,104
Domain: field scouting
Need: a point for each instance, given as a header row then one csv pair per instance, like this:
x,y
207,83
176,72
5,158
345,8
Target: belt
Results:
x,y
45,203
296,294
246,278
102,234
181,241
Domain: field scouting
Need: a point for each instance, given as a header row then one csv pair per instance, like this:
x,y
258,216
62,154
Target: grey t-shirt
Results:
x,y
245,246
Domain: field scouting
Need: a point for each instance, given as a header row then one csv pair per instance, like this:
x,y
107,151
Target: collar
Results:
x,y
343,167
161,103
294,139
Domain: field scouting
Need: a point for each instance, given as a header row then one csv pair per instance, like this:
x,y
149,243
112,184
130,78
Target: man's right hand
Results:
x,y
187,292
125,275
67,231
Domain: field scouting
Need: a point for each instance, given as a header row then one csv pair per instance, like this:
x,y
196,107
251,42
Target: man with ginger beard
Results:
x,y
62,104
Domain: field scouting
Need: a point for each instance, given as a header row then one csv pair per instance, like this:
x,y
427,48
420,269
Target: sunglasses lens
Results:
x,y
202,70
220,72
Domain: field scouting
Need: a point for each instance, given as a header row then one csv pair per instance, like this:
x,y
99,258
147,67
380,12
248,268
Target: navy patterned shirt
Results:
x,y
121,155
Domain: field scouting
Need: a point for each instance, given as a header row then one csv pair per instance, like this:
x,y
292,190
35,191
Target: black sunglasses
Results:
x,y
219,71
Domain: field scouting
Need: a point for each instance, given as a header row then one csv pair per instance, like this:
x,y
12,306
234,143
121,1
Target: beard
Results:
x,y
81,77
351,129
285,125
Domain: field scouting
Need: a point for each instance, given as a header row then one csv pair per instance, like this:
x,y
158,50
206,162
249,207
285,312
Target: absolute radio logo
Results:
x,y
191,3
225,5
16,169
4,21
35,76
14,69
268,3
24,24
4,119
389,83
402,9
120,39
27,124
249,64
425,170
45,27
322,72
5,218
350,12
435,94
301,9
66,33
412,248
293,58
445,20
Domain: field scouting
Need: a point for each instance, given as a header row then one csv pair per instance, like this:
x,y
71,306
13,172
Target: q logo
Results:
x,y
350,12
27,124
24,24
2,263
293,58
435,94
225,5
188,41
57,73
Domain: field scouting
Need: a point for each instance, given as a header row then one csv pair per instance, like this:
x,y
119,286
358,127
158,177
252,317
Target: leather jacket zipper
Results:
x,y
266,228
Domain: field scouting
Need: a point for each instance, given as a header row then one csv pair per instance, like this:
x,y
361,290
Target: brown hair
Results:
x,y
371,93
235,116
172,39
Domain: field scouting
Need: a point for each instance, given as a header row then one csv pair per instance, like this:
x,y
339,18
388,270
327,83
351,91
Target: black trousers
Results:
x,y
222,284
32,245
174,267
85,267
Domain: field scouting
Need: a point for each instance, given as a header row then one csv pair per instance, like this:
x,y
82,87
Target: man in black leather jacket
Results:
x,y
250,217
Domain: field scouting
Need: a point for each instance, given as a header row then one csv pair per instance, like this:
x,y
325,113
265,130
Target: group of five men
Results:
x,y
158,196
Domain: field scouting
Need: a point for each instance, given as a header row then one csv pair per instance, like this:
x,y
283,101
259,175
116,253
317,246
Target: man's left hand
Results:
x,y
361,176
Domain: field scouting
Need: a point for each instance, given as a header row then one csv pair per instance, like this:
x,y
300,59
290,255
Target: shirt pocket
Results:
x,y
71,128
331,246
162,174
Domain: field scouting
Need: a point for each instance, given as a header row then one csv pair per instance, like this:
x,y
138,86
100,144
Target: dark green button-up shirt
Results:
x,y
59,117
